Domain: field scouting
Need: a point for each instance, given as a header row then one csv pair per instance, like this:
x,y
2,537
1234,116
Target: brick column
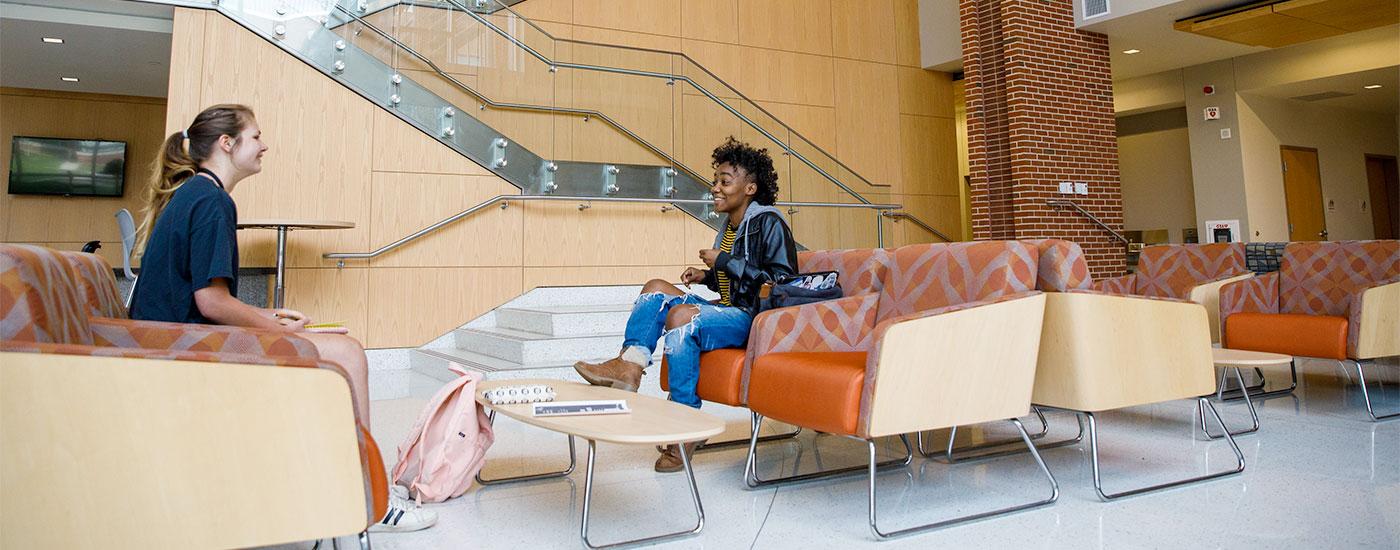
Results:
x,y
1039,112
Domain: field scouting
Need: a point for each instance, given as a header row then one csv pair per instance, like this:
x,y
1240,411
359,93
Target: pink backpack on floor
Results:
x,y
447,445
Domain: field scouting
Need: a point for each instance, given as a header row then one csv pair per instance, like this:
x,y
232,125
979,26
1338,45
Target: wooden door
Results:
x,y
1302,190
1381,178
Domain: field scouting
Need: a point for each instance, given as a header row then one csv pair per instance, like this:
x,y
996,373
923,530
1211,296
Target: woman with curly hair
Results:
x,y
755,247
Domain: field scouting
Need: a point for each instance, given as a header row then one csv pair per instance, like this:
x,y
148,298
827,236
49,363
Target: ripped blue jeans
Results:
x,y
714,327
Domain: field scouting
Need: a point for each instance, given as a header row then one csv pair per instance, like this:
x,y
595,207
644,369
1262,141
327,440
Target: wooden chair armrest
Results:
x,y
242,456
1208,295
1101,352
965,366
1378,322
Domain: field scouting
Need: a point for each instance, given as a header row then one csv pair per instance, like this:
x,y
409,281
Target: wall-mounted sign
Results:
x,y
1212,113
1223,231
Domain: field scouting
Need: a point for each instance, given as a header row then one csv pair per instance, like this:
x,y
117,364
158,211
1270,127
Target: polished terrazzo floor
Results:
x,y
1319,475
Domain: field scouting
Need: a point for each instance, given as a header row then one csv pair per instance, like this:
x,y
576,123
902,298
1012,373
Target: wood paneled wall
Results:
x,y
844,75
66,223
335,156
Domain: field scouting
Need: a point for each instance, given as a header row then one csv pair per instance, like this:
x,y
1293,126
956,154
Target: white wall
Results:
x,y
940,35
1148,93
1155,168
1217,165
1342,138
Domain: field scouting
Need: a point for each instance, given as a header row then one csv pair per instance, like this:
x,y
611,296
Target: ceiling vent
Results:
x,y
1321,96
1095,8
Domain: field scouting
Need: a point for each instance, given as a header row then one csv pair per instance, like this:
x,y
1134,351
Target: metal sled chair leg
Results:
x,y
751,473
1366,394
1025,438
573,461
1094,459
953,434
1235,394
952,455
588,500
1253,412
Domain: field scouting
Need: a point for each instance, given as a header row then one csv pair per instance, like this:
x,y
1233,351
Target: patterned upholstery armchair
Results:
x,y
1102,351
97,288
1192,272
1333,300
45,303
951,339
841,324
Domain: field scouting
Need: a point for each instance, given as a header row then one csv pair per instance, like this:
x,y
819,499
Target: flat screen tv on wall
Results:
x,y
74,167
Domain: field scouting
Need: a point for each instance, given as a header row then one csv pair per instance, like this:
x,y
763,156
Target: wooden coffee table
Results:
x,y
652,422
1233,360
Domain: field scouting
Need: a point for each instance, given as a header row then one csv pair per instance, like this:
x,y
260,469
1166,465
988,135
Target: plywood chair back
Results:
x,y
953,369
141,453
1101,352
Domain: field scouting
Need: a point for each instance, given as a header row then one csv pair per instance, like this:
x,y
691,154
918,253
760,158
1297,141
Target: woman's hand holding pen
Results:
x,y
292,319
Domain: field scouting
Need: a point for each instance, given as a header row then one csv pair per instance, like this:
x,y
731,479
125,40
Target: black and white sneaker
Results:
x,y
404,515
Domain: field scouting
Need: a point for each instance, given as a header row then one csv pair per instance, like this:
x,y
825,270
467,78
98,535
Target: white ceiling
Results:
x,y
1381,100
112,47
1163,47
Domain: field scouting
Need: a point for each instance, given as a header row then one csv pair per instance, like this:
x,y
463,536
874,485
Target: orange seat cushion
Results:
x,y
721,376
816,390
1299,335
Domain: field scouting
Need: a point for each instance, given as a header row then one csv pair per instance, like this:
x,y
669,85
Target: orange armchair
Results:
x,y
957,327
836,325
1192,272
46,322
1101,351
1332,300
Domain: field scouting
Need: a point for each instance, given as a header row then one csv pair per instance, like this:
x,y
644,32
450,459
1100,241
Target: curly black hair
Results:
x,y
755,162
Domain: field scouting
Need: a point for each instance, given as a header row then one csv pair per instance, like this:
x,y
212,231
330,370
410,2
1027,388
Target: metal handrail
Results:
x,y
1092,218
672,78
519,106
903,216
717,79
507,198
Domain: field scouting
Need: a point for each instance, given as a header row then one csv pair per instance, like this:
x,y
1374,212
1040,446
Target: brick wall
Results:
x,y
1039,112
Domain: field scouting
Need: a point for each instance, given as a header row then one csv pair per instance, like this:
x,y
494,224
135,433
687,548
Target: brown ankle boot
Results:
x,y
616,373
670,459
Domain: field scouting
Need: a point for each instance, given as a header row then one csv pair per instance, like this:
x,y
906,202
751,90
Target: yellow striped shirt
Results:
x,y
721,276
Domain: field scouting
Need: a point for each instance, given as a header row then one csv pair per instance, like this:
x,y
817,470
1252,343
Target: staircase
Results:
x,y
625,109
537,335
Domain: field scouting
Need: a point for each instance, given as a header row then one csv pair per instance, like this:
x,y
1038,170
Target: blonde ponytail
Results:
x,y
176,164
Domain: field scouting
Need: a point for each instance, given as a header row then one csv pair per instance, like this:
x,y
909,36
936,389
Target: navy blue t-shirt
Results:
x,y
194,242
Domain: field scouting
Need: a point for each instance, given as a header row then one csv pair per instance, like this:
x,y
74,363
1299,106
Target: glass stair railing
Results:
x,y
559,117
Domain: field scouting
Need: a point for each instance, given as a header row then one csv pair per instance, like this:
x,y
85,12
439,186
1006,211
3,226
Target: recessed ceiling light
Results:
x,y
1372,86
52,40
69,78
1132,51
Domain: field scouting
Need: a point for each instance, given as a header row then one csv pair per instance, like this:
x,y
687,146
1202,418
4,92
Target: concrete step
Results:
x,y
529,348
565,320
434,363
577,296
